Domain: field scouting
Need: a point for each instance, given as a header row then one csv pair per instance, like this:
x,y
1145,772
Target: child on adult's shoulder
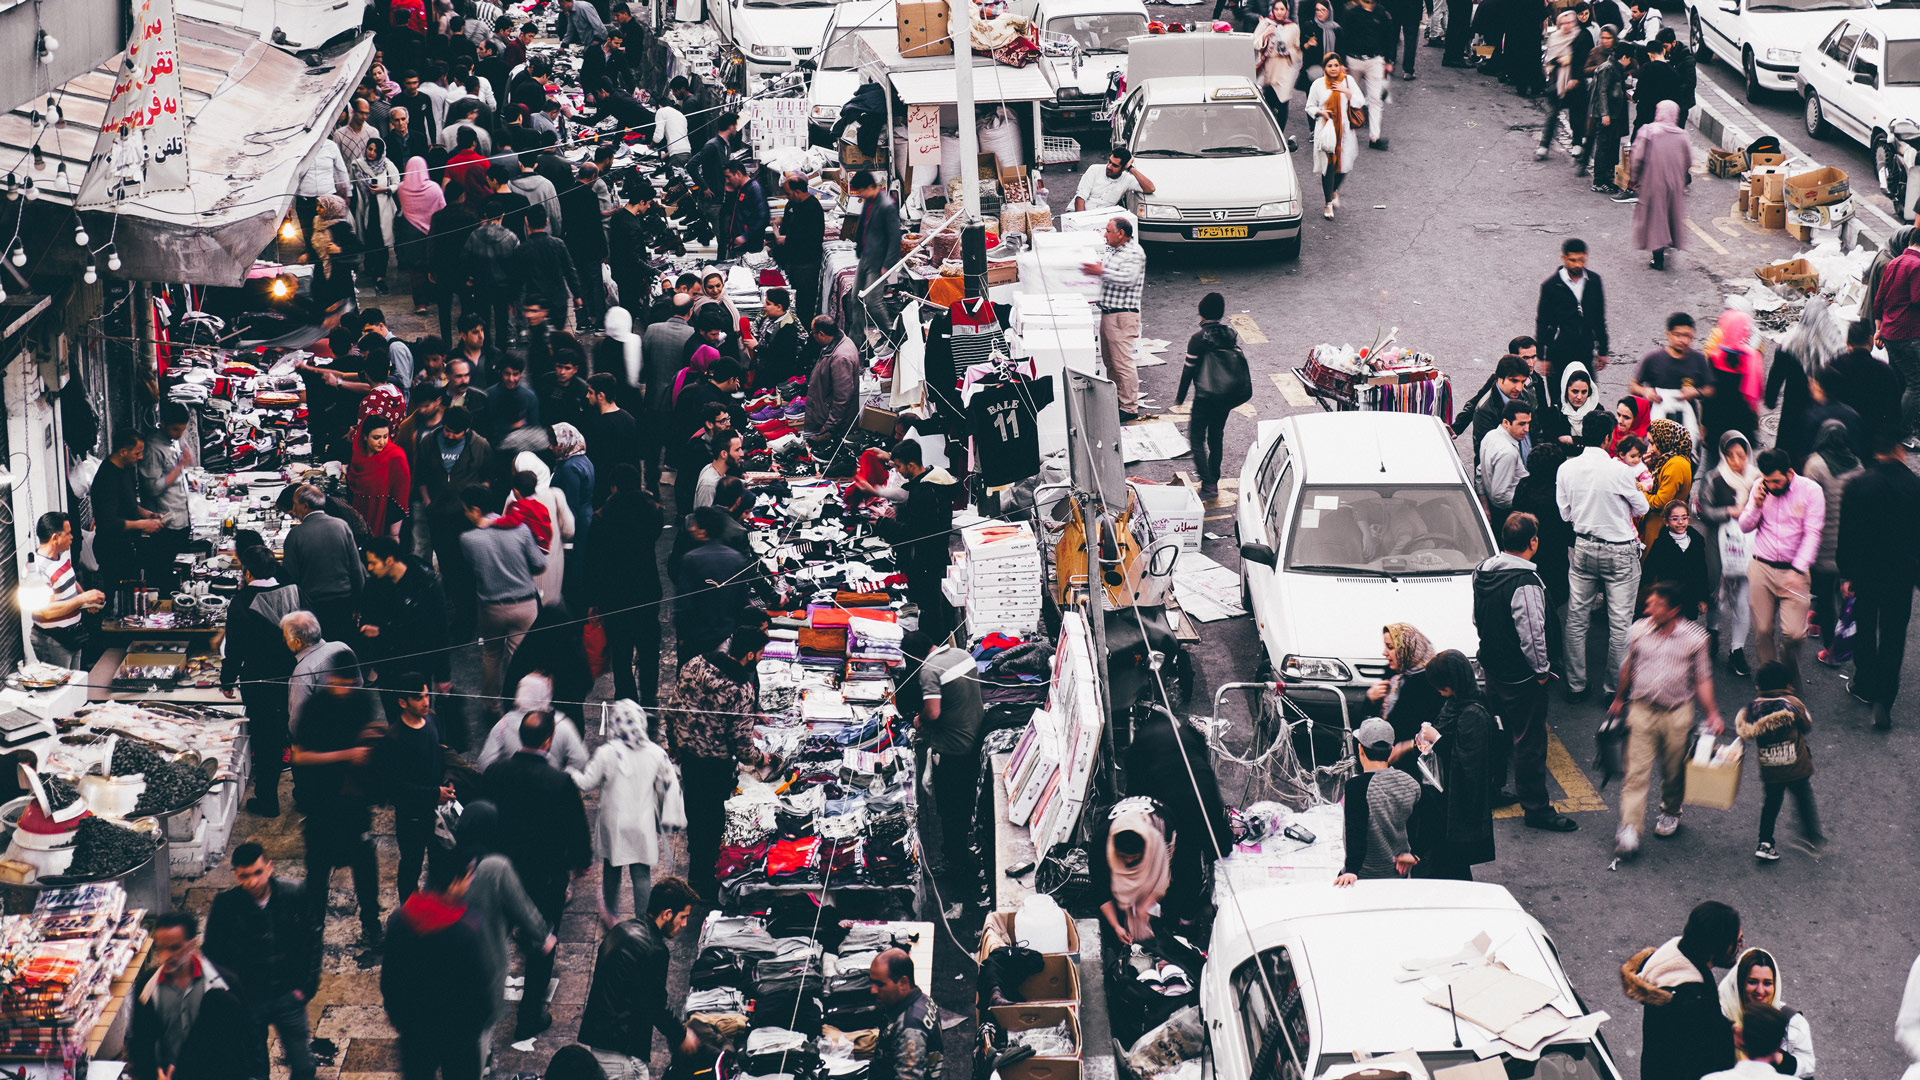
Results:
x,y
1777,722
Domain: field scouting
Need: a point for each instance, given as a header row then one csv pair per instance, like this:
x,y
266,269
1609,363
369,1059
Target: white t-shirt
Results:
x,y
57,575
1099,189
670,131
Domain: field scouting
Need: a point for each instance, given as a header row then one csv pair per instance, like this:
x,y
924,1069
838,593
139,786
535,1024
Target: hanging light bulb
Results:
x,y
20,255
290,229
39,159
92,275
31,192
3,292
80,234
113,258
48,46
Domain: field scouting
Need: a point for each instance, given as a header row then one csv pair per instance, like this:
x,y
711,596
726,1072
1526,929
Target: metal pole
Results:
x,y
959,22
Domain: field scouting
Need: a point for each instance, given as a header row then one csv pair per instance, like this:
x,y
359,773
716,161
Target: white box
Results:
x,y
1172,510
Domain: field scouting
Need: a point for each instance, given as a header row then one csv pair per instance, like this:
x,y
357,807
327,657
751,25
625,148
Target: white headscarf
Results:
x,y
1578,416
1732,1001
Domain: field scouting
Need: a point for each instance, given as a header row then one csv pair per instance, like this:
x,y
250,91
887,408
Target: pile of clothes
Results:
x,y
837,818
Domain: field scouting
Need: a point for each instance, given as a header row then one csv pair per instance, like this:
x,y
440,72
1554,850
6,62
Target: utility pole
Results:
x,y
973,234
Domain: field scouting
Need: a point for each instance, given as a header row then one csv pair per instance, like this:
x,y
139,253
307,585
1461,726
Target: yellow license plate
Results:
x,y
1220,232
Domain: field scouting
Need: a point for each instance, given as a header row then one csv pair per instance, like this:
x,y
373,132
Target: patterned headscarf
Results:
x,y
1411,649
1669,440
567,440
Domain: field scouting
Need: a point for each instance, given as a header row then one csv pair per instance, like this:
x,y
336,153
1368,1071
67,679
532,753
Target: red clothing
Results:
x,y
533,514
1642,420
378,481
470,169
1898,300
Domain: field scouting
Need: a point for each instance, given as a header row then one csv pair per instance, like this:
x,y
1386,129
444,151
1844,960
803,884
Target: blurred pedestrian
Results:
x,y
1662,175
1666,673
1879,512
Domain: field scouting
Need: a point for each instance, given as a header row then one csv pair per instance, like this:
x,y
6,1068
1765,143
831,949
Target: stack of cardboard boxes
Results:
x,y
1802,203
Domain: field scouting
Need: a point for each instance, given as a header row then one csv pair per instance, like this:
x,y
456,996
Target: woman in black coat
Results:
x,y
1463,739
1405,698
1667,560
1536,496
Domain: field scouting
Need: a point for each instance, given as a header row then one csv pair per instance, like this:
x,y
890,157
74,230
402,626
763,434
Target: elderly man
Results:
x,y
321,557
583,24
313,656
833,390
334,730
1122,271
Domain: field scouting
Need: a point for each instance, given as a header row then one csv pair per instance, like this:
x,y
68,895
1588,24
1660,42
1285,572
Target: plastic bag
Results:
x,y
1844,629
1610,749
1181,1038
446,820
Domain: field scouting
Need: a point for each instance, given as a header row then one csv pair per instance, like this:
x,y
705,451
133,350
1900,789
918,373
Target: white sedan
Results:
x,y
1863,80
1764,38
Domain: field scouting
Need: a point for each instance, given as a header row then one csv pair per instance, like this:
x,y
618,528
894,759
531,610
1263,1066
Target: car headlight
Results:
x,y
1159,212
769,52
1280,209
1314,669
826,113
1783,56
1068,93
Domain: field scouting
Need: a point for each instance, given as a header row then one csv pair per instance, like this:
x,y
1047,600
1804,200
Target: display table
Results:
x,y
1012,845
100,683
108,1040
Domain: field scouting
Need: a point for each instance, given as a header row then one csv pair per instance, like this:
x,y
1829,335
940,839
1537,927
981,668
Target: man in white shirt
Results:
x,y
326,174
670,124
59,634
1111,183
728,458
1501,466
1599,498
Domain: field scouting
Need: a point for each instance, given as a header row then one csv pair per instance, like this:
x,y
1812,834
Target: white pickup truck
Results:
x,y
836,63
1083,48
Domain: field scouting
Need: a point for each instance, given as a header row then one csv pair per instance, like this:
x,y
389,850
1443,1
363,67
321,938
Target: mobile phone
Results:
x,y
1018,869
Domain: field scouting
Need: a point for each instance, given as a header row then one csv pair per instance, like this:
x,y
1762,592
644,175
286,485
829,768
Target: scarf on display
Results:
x,y
1730,352
1739,482
420,197
328,211
378,480
1138,889
1577,415
1669,440
1559,56
1642,417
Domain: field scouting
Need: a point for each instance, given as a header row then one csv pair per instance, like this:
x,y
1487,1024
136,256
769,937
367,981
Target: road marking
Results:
x,y
1581,798
1704,235
1290,389
1180,410
1249,330
1247,411
1209,279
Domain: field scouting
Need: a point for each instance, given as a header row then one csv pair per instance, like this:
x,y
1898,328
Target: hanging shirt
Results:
x,y
977,333
1003,419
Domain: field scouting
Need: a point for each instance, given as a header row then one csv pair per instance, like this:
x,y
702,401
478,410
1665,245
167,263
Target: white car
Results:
x,y
1348,521
1084,45
770,32
1863,79
1764,38
836,63
1331,956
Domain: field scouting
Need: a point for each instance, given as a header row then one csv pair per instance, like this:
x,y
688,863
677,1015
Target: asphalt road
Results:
x,y
1447,236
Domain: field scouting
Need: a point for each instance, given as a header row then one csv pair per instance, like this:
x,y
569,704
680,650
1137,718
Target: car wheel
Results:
x,y
1816,117
1698,39
1751,72
1889,172
1288,248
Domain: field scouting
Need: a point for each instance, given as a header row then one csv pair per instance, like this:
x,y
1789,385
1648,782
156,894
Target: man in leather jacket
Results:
x,y
909,1046
627,1001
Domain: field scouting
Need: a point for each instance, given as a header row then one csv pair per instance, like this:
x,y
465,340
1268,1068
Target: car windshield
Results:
x,y
1565,1061
1807,5
1902,64
844,53
1387,530
1214,129
1102,32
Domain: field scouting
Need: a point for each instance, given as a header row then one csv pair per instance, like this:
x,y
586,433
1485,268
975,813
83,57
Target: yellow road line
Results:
x,y
1704,235
1247,411
1249,330
1580,798
1290,389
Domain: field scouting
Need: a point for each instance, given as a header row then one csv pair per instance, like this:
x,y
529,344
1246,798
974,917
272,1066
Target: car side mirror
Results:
x,y
1259,553
1866,78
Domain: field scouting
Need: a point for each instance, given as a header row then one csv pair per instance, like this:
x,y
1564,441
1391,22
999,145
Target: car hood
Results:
x,y
1220,181
1094,69
832,89
782,25
1346,612
1791,29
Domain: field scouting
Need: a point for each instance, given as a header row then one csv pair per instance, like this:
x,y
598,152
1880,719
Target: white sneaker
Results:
x,y
1626,842
1539,153
1666,825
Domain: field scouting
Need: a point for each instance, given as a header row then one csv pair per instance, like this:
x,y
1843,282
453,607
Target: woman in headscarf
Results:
x,y
1753,980
1631,416
1317,39
1831,465
496,896
1564,65
1276,57
703,358
334,247
1897,242
420,198
1670,460
1662,170
379,477
1561,423
1607,114
573,477
1137,868
1331,101
1734,365
1807,346
1405,698
1465,744
1721,496
639,796
374,182
559,516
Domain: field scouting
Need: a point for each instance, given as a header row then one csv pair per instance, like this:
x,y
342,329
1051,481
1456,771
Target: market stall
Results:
x,y
72,959
1378,378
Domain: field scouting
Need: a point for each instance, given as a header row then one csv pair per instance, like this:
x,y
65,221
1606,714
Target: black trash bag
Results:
x,y
1610,749
1002,972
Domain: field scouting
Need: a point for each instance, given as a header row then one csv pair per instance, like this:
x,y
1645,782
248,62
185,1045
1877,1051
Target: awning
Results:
x,y
255,115
991,82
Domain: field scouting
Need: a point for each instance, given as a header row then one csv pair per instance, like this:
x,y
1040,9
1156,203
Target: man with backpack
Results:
x,y
1216,372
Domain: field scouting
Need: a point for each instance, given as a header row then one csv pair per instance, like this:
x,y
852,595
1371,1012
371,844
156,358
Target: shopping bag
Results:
x,y
1610,749
1736,550
1713,774
446,822
1844,629
593,638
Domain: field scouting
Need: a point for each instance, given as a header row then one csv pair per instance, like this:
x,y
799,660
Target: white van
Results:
x,y
770,33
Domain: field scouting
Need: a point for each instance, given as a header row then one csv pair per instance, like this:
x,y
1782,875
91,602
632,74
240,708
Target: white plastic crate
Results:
x,y
1059,150
189,857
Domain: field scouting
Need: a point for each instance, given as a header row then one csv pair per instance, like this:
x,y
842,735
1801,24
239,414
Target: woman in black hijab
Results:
x,y
1463,740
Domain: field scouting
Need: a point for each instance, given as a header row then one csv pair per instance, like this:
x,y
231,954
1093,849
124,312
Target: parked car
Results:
x,y
1863,79
1764,38
836,62
1347,521
1197,127
1083,48
767,30
1304,978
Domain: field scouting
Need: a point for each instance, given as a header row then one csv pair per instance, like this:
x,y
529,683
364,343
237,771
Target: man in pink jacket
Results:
x,y
1785,516
1898,302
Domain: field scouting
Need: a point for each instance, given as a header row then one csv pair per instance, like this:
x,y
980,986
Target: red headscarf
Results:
x,y
377,481
1642,418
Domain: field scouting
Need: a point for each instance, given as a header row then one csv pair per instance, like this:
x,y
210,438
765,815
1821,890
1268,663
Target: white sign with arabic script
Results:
x,y
143,144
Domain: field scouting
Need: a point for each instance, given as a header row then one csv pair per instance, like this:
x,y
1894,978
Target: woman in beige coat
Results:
x,y
1276,49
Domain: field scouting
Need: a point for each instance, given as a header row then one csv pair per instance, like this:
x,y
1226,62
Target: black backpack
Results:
x,y
1223,378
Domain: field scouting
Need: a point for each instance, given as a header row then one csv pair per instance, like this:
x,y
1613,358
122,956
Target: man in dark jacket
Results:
x,y
434,981
586,243
627,590
263,931
798,243
1655,82
922,528
190,1022
1510,612
404,615
909,1047
323,560
1684,1034
446,247
742,222
444,465
1879,516
1570,321
1510,383
833,388
633,232
334,730
868,108
544,834
259,664
1867,383
543,265
709,725
627,1001
1157,767
710,585
878,242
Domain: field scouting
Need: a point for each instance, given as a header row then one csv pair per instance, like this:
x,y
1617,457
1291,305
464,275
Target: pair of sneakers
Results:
x,y
1626,842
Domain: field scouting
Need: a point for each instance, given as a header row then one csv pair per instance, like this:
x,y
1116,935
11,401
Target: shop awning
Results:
x,y
991,82
255,116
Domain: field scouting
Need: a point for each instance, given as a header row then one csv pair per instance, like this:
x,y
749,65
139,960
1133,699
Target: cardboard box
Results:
x,y
1621,176
1755,160
1773,186
1773,215
1013,1018
1000,925
1745,200
1817,188
1725,163
852,158
1824,216
1482,51
1796,230
1172,510
1798,274
1712,786
921,28
1003,273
